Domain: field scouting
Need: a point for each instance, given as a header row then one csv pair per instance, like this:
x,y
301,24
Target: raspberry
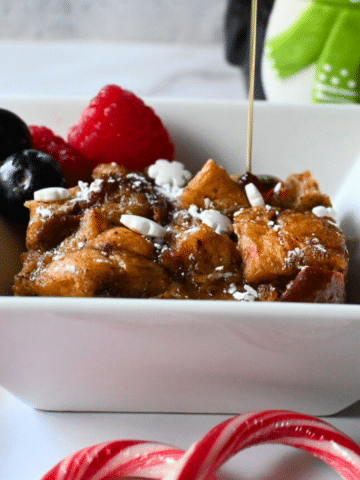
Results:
x,y
74,166
118,127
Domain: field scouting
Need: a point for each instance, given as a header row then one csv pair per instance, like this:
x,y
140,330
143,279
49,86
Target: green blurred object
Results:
x,y
327,34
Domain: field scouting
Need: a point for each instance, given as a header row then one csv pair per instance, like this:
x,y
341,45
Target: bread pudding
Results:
x,y
164,233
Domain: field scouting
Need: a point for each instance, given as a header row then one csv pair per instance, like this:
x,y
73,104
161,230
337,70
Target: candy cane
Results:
x,y
113,460
135,459
308,433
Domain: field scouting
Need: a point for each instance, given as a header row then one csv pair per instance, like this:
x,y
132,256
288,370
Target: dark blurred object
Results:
x,y
237,37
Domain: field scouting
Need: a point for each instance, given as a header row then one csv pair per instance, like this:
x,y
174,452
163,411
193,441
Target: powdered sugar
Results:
x,y
320,248
249,295
86,189
170,192
66,268
294,255
44,212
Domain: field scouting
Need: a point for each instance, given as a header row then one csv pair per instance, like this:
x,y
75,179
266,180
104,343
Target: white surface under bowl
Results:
x,y
199,356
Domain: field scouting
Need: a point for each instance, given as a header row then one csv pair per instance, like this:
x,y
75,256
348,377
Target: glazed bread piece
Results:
x,y
280,251
214,186
274,244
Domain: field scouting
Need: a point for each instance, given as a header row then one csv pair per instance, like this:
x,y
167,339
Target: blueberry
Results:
x,y
21,174
14,134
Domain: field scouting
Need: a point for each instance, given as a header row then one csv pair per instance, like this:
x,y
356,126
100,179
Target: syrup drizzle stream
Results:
x,y
251,85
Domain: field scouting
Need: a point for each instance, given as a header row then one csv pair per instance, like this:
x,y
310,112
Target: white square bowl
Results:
x,y
199,356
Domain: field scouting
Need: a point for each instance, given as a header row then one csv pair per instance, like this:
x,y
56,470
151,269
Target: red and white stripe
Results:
x,y
136,459
113,460
274,426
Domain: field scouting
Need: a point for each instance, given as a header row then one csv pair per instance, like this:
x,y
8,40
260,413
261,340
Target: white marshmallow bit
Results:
x,y
51,194
217,221
143,225
277,187
165,172
322,211
254,196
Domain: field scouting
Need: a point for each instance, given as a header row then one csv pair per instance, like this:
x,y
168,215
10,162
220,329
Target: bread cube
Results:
x,y
212,187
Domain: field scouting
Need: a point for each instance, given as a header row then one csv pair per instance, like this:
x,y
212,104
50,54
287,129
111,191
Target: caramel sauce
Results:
x,y
264,183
